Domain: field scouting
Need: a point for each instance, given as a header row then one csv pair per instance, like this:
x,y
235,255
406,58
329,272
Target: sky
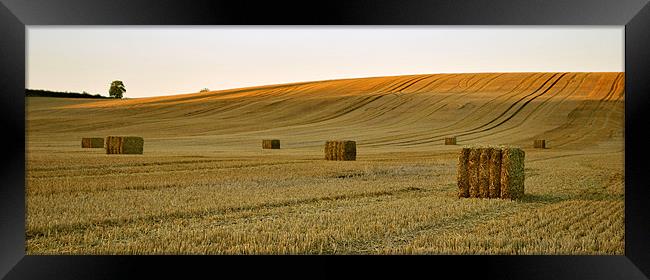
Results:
x,y
167,60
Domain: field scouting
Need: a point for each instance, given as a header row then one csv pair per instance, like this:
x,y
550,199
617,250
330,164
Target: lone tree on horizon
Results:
x,y
117,89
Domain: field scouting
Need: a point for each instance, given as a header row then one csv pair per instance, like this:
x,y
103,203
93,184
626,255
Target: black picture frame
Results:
x,y
15,15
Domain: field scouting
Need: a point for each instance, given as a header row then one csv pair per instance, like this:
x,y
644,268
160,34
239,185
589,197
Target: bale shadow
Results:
x,y
349,175
543,198
531,172
596,196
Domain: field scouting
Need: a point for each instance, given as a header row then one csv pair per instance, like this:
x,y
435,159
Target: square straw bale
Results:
x,y
484,172
124,145
512,173
271,144
472,171
92,142
494,189
341,150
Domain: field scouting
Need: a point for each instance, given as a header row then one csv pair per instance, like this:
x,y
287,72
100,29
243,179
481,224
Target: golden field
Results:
x,y
205,186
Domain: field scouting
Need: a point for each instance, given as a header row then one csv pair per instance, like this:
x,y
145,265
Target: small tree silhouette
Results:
x,y
204,90
117,89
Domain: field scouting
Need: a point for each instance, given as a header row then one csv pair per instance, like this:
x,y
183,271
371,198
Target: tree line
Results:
x,y
116,90
49,93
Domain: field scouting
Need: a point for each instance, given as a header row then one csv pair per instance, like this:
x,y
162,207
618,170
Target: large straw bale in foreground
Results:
x,y
472,172
494,189
491,172
341,150
484,172
512,173
124,145
93,142
271,144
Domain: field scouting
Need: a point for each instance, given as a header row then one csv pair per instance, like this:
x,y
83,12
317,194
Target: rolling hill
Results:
x,y
570,110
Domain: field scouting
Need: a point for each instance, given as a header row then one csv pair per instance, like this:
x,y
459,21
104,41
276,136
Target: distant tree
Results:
x,y
205,90
117,89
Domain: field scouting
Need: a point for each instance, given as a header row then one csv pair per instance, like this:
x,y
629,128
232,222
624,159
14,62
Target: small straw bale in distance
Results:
x,y
271,144
461,173
92,142
540,144
124,145
491,172
340,150
450,140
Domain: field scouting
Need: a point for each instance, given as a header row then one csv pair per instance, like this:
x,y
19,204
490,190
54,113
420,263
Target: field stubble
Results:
x,y
287,205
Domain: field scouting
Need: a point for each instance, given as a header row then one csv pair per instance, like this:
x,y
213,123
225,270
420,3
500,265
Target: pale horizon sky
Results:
x,y
161,60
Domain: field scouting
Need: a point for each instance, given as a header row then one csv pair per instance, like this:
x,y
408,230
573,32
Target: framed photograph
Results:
x,y
494,139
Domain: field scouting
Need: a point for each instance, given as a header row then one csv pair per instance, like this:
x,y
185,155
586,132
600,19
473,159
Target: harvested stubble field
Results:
x,y
205,186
